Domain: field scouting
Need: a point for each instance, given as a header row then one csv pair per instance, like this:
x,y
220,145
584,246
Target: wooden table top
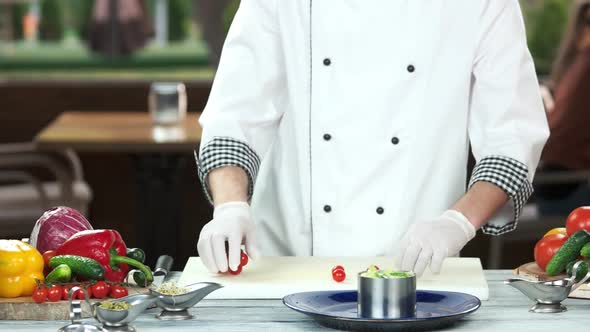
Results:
x,y
118,132
506,310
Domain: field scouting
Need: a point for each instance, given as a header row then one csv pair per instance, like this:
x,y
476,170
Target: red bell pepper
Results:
x,y
106,247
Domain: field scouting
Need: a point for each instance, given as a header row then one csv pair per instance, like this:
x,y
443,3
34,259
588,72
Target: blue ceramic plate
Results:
x,y
338,309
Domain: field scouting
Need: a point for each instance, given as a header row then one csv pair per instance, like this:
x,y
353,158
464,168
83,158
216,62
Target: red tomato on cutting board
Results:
x,y
547,247
577,220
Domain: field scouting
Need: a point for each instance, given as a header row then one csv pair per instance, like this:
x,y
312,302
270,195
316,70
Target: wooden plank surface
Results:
x,y
118,132
24,308
507,310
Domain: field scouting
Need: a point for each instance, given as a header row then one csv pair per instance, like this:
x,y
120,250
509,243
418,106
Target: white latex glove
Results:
x,y
429,243
232,223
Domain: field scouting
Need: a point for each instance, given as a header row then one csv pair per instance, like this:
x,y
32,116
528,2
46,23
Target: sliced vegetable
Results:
x,y
56,226
81,266
374,272
60,273
547,247
567,253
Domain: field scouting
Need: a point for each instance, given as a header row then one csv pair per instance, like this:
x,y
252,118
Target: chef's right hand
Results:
x,y
232,223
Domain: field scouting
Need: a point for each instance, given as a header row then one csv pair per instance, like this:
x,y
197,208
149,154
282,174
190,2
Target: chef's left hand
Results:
x,y
430,242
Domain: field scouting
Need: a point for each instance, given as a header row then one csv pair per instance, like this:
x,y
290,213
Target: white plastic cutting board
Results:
x,y
275,277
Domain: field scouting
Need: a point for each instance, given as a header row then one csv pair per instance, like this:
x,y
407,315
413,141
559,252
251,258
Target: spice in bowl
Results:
x,y
117,306
171,288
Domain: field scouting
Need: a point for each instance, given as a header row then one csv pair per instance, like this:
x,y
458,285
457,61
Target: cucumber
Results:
x,y
585,250
60,273
568,252
582,269
137,254
139,278
81,266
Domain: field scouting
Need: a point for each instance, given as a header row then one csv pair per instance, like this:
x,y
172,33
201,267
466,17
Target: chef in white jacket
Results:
x,y
342,128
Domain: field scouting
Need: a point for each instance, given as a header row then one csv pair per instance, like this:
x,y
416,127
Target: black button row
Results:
x,y
328,209
394,140
328,62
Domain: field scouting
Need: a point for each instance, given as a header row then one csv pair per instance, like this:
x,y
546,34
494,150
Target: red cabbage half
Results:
x,y
55,226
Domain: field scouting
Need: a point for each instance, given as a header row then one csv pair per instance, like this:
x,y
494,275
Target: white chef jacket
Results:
x,y
353,119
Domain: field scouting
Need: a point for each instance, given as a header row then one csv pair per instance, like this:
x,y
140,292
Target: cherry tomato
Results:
x,y
39,294
54,293
100,290
243,259
80,294
577,220
48,255
337,267
339,275
547,247
118,291
236,272
558,230
108,286
66,292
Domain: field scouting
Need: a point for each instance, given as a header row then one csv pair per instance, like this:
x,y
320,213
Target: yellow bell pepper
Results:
x,y
20,266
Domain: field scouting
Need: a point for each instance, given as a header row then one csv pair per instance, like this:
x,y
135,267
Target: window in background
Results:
x,y
112,39
176,39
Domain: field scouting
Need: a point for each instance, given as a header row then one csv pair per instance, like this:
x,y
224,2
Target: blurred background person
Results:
x,y
567,101
119,27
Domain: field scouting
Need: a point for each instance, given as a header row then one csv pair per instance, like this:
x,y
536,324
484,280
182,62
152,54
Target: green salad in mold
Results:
x,y
374,272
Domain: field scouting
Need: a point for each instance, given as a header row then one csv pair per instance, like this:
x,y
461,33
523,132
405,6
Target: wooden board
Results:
x,y
533,271
24,308
275,277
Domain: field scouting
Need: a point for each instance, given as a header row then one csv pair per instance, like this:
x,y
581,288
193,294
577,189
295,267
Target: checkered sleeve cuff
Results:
x,y
512,177
227,151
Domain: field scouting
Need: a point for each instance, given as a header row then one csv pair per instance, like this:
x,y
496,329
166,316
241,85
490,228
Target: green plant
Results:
x,y
178,19
18,12
546,22
51,26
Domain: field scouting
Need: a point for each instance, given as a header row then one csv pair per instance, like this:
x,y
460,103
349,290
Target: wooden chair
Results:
x,y
25,195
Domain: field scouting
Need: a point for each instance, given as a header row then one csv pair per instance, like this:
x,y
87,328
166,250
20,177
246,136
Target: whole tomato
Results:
x,y
577,220
547,247
118,292
54,293
47,256
39,294
100,290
